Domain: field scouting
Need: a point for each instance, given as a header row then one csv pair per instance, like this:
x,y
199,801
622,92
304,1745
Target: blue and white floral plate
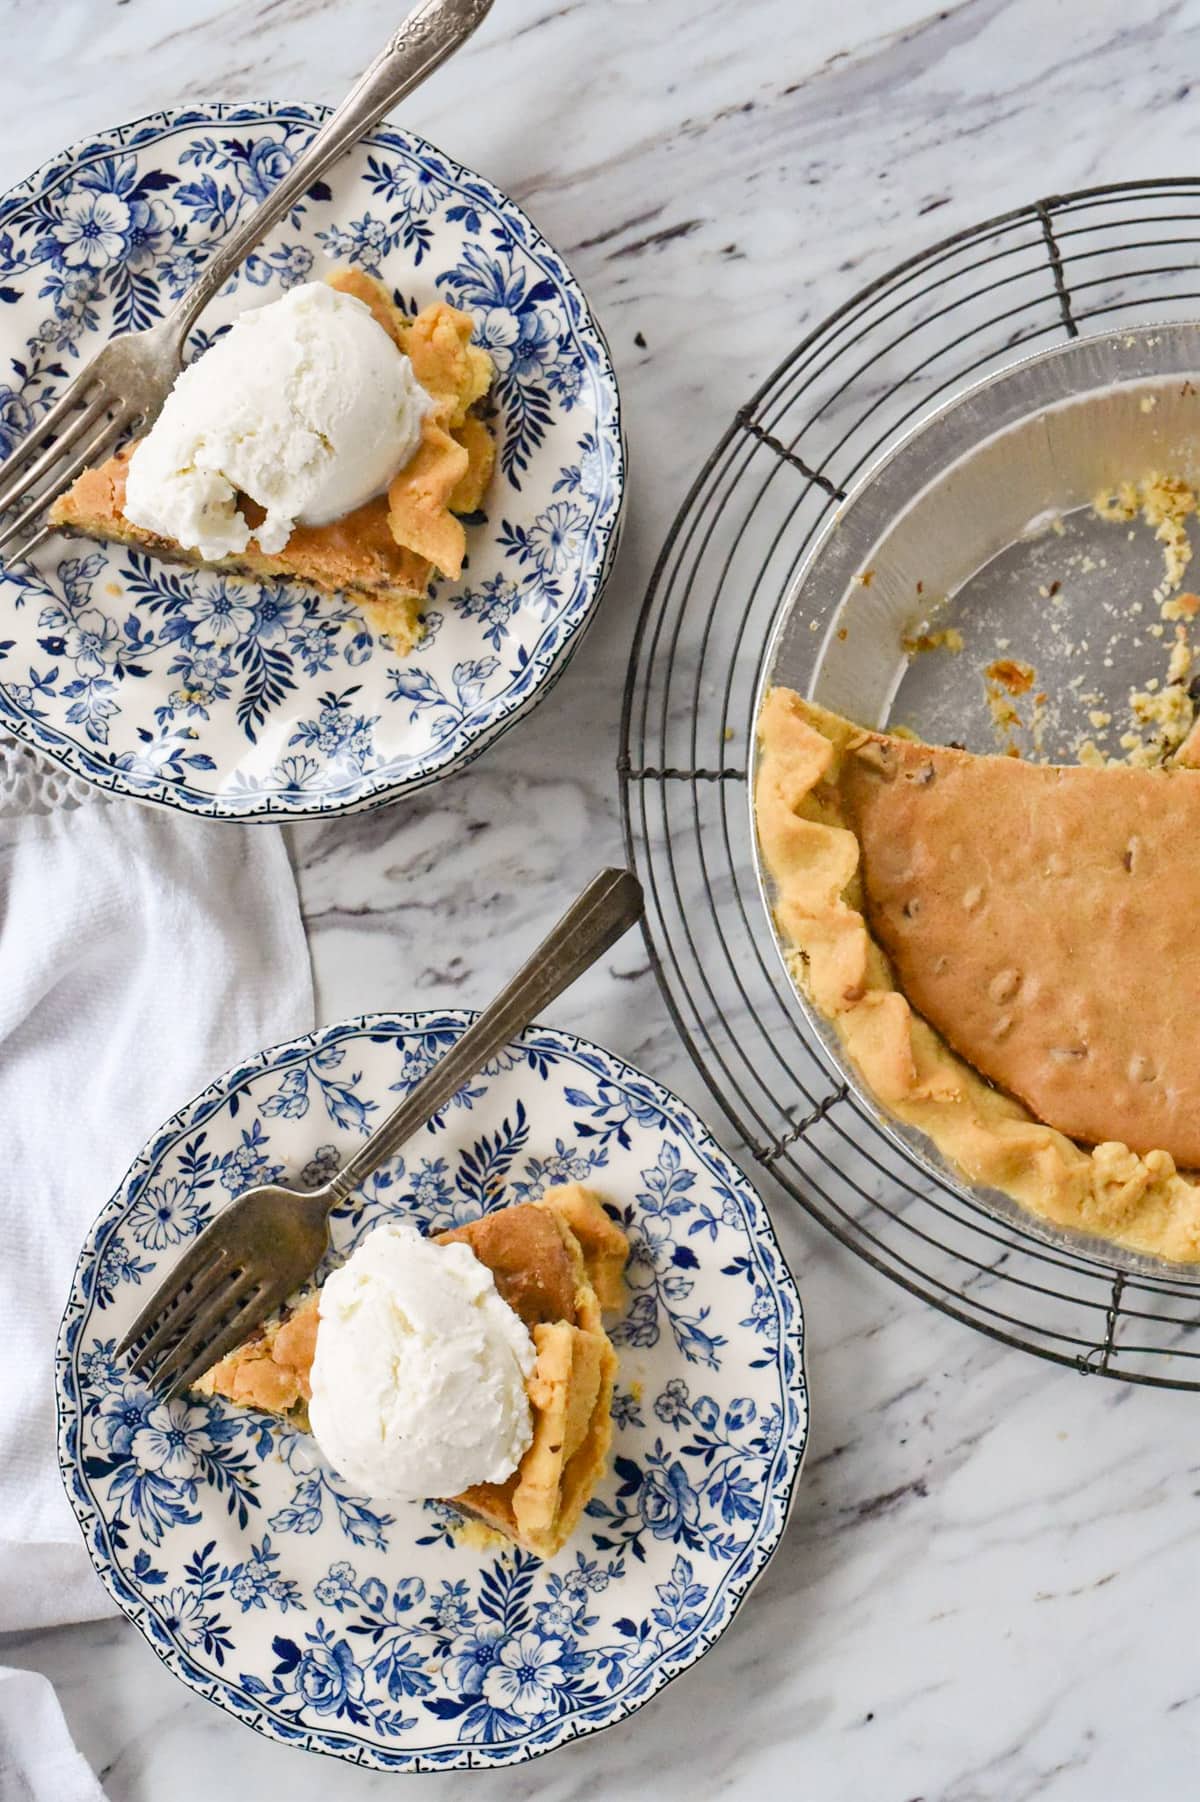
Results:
x,y
387,1635
240,701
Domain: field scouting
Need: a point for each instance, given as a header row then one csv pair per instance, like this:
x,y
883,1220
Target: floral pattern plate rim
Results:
x,y
238,700
395,1638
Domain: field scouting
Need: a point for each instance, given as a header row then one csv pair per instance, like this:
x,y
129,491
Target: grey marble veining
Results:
x,y
987,1590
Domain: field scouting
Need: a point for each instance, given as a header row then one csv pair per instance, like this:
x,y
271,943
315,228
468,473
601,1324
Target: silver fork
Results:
x,y
266,1243
124,385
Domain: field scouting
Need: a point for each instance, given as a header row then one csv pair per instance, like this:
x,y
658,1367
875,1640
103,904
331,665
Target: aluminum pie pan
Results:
x,y
970,520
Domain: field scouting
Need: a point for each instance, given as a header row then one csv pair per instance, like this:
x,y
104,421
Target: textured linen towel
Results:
x,y
38,1760
140,954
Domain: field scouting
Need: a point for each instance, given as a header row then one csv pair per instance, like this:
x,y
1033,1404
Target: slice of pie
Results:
x,y
384,555
559,1264
1009,954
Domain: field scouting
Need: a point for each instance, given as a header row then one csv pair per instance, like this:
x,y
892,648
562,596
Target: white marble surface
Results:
x,y
987,1590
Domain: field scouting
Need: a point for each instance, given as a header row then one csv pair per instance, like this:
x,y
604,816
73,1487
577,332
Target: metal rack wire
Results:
x,y
900,347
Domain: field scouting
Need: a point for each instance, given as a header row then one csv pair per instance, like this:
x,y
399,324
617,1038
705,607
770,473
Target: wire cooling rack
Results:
x,y
905,344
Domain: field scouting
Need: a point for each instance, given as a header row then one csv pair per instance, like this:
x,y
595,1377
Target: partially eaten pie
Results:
x,y
1009,954
559,1264
383,555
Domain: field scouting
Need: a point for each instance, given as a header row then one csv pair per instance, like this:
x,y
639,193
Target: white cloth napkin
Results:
x,y
141,953
38,1760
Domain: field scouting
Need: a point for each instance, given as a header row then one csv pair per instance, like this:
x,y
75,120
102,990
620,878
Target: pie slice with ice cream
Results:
x,y
410,1373
381,552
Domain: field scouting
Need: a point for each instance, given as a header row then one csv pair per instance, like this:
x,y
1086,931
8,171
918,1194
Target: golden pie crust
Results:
x,y
559,1264
959,918
384,555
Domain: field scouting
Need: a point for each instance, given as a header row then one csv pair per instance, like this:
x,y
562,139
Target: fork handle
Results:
x,y
608,907
430,33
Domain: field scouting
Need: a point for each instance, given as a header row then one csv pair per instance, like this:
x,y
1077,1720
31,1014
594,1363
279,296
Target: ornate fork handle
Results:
x,y
430,33
605,910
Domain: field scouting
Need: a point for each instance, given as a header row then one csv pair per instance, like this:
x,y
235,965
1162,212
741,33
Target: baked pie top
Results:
x,y
961,918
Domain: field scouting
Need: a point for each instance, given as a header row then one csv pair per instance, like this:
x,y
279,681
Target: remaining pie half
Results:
x,y
559,1264
1009,954
384,555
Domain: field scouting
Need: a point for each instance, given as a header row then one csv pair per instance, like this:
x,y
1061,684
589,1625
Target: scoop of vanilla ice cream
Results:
x,y
418,1382
305,405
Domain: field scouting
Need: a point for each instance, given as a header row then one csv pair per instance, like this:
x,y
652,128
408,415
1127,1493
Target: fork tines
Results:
x,y
205,1308
82,426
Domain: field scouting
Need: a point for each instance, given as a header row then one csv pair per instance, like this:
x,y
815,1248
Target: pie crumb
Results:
x,y
1164,503
948,638
1011,674
1180,666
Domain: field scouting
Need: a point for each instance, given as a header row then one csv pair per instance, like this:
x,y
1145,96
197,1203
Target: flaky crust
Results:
x,y
813,859
357,556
